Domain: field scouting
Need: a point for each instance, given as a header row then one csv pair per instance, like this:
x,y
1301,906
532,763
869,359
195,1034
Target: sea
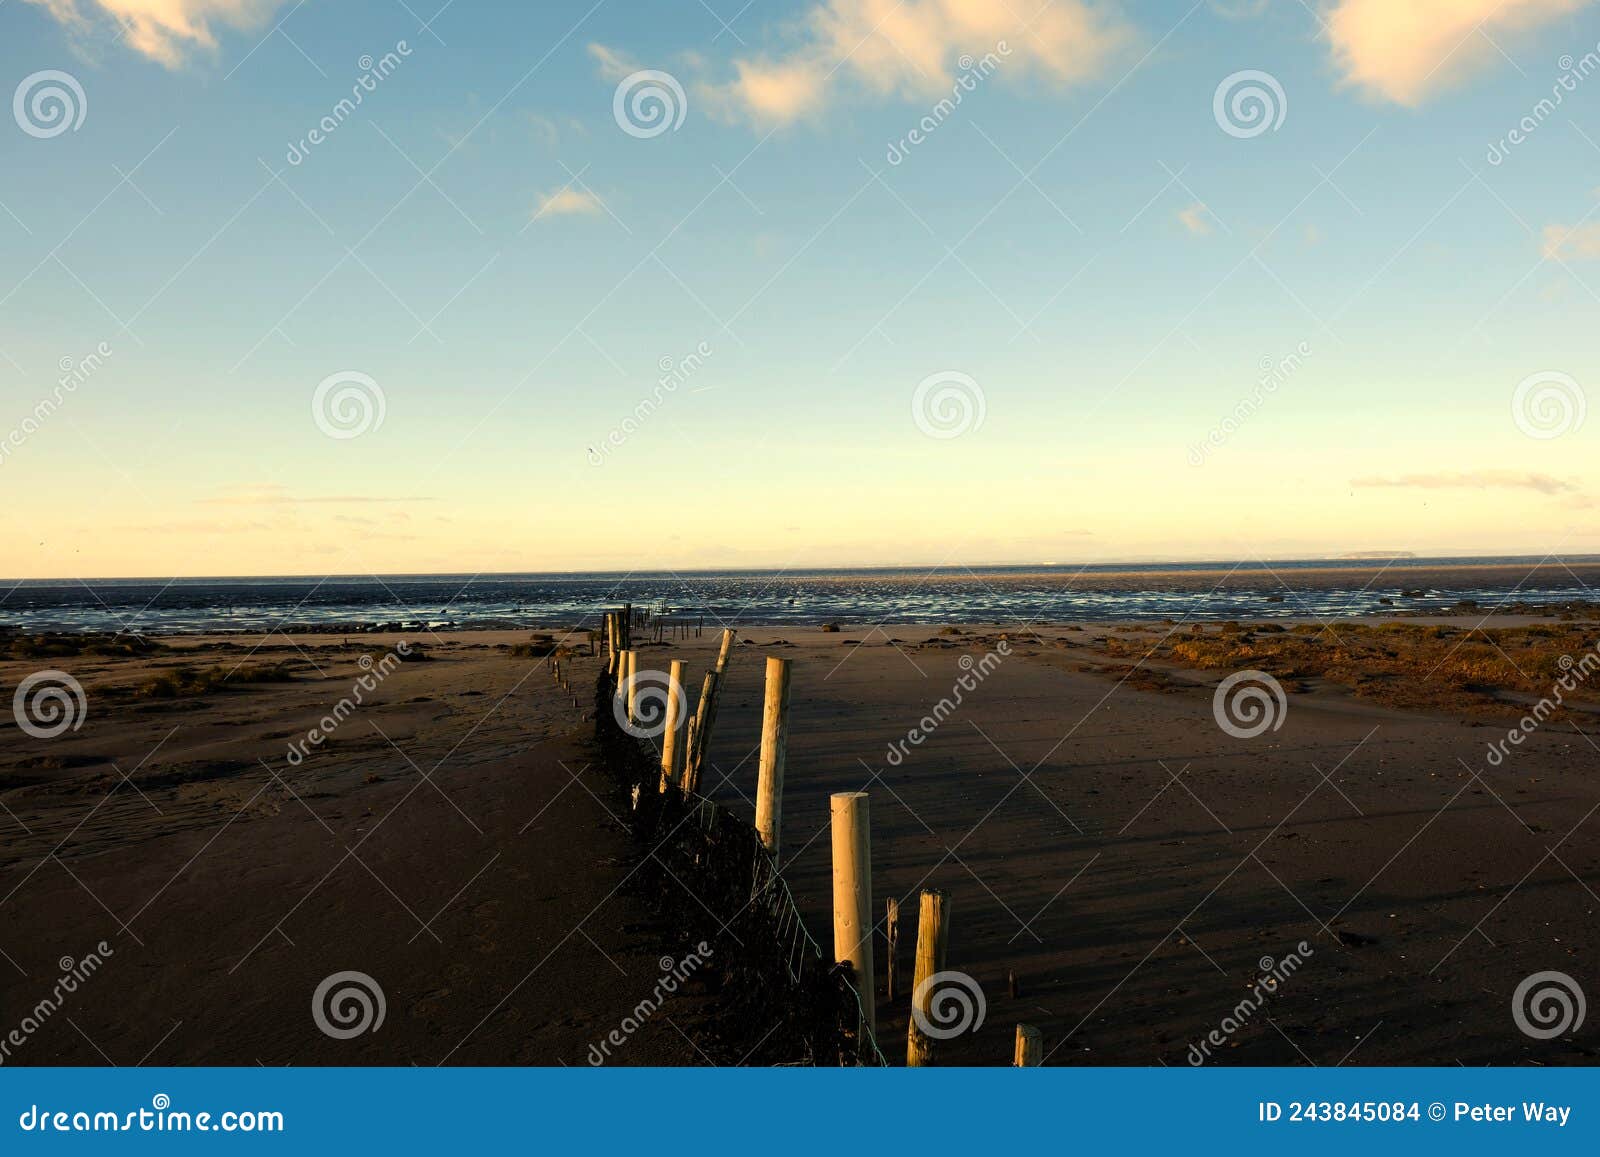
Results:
x,y
1308,588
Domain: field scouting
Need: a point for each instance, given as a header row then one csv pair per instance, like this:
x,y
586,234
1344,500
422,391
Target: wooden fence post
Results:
x,y
850,817
891,921
933,934
724,650
698,727
774,747
677,710
630,673
1030,1047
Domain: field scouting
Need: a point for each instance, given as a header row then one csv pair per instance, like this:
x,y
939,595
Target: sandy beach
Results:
x,y
1121,870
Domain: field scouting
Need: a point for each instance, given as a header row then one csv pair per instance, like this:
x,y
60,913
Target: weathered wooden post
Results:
x,y
677,710
850,817
698,728
724,650
630,674
1030,1047
891,931
774,746
933,934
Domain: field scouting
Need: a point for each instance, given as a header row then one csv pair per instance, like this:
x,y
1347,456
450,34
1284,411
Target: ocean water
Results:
x,y
1310,588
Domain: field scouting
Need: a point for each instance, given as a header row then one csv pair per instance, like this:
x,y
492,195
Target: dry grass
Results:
x,y
1406,665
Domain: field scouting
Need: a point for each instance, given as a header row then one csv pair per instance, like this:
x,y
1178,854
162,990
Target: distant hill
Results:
x,y
1379,554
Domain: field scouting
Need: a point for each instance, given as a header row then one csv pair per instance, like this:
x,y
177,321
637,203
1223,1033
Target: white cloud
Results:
x,y
164,30
1407,50
913,48
1475,480
1196,218
1581,242
567,202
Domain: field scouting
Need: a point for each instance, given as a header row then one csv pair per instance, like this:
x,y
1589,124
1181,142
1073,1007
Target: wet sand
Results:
x,y
1127,860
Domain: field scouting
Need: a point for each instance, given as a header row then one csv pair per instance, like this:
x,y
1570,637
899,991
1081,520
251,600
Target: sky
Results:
x,y
617,285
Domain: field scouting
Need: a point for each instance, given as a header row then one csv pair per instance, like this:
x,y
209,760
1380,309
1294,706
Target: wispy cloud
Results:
x,y
912,48
1407,50
1475,480
275,495
1196,218
1576,241
565,202
164,30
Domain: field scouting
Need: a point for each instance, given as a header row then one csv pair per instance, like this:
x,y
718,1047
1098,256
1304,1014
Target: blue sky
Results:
x,y
1080,250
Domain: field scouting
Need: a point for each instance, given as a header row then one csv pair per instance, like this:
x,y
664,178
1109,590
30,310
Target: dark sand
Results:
x,y
1111,846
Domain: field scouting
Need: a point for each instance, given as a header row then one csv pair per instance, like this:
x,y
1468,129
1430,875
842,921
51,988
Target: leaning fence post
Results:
x,y
850,818
891,921
933,934
724,650
774,746
699,726
677,703
1030,1047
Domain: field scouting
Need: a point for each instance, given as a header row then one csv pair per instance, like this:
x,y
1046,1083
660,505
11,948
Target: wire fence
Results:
x,y
706,870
